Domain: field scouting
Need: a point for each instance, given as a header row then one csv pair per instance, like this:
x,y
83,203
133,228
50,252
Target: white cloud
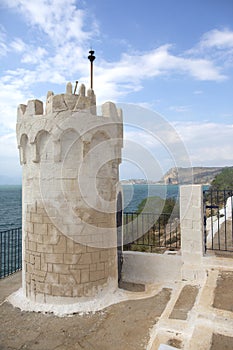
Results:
x,y
61,20
179,109
18,45
3,45
217,45
128,74
221,39
205,144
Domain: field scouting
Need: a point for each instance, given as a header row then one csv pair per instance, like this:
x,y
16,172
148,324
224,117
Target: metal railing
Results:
x,y
151,232
10,251
218,224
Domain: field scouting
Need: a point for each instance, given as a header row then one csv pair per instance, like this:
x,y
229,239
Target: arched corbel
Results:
x,y
57,150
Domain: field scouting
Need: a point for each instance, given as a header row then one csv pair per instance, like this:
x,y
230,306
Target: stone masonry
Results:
x,y
70,158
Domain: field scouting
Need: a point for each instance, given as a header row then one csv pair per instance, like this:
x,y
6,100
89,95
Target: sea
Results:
x,y
11,200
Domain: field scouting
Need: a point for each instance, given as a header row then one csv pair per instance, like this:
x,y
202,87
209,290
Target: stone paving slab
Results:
x,y
184,302
223,296
221,342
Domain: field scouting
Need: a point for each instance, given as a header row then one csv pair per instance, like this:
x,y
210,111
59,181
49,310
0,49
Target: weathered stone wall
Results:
x,y
70,159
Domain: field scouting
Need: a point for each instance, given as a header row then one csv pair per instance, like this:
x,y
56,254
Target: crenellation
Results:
x,y
34,107
69,88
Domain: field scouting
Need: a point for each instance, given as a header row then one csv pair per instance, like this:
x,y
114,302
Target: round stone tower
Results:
x,y
70,158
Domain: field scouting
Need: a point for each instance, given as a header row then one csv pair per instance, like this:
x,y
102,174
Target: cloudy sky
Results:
x,y
170,57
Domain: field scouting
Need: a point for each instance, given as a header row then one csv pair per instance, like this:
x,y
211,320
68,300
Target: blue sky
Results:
x,y
172,57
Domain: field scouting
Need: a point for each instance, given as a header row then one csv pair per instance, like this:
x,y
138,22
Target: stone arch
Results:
x,y
70,140
98,137
23,149
43,147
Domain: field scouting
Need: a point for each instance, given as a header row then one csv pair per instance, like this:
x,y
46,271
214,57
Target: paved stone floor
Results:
x,y
183,315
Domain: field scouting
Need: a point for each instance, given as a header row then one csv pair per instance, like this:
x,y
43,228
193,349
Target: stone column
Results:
x,y
192,231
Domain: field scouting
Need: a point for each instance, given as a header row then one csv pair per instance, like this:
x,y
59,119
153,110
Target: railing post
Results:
x,y
192,231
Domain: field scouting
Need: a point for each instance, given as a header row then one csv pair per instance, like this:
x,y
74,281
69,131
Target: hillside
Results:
x,y
196,175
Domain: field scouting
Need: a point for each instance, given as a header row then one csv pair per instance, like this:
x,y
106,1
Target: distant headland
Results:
x,y
184,176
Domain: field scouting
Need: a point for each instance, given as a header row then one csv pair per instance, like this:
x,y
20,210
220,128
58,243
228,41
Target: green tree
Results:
x,y
158,205
223,181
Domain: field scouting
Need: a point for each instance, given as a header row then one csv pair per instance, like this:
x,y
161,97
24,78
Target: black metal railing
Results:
x,y
218,224
10,251
151,232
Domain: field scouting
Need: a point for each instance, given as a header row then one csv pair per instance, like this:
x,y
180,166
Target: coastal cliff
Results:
x,y
196,175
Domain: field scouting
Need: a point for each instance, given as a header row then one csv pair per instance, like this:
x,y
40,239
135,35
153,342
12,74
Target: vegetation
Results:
x,y
154,226
221,188
224,180
158,205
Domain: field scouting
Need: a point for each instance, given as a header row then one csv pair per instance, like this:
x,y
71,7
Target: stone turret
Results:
x,y
70,158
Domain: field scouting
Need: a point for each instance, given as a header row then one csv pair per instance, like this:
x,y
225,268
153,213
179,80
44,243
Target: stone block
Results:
x,y
50,267
41,210
60,247
95,257
47,239
92,249
54,258
96,275
70,259
76,275
93,267
85,276
43,248
70,246
104,254
79,248
36,218
85,259
100,266
35,238
29,268
39,275
43,288
32,246
61,268
37,263
28,217
28,227
57,290
52,277
46,219
32,259
40,228
66,279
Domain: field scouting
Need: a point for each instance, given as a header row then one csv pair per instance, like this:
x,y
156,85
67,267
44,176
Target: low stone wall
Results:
x,y
151,268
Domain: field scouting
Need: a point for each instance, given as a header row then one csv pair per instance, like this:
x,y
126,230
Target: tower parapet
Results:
x,y
70,158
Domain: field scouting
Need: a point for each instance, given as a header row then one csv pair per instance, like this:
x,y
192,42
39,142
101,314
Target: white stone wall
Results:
x,y
151,267
70,158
